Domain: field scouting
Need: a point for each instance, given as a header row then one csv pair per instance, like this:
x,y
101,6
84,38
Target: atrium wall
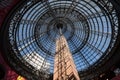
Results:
x,y
4,10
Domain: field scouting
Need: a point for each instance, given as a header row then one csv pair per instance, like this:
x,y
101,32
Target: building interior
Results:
x,y
59,39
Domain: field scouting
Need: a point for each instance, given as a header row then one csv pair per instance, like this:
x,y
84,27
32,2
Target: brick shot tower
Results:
x,y
64,67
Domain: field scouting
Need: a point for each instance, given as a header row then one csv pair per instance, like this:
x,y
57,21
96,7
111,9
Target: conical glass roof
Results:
x,y
89,27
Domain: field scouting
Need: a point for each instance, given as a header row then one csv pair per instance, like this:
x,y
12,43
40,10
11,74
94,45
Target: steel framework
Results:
x,y
91,28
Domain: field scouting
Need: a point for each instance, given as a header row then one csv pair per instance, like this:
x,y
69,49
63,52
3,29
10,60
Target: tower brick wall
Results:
x,y
64,67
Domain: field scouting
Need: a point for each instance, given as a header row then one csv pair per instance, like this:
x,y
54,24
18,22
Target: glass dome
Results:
x,y
89,27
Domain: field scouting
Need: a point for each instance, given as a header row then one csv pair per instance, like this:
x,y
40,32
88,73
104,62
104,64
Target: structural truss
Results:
x,y
89,26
